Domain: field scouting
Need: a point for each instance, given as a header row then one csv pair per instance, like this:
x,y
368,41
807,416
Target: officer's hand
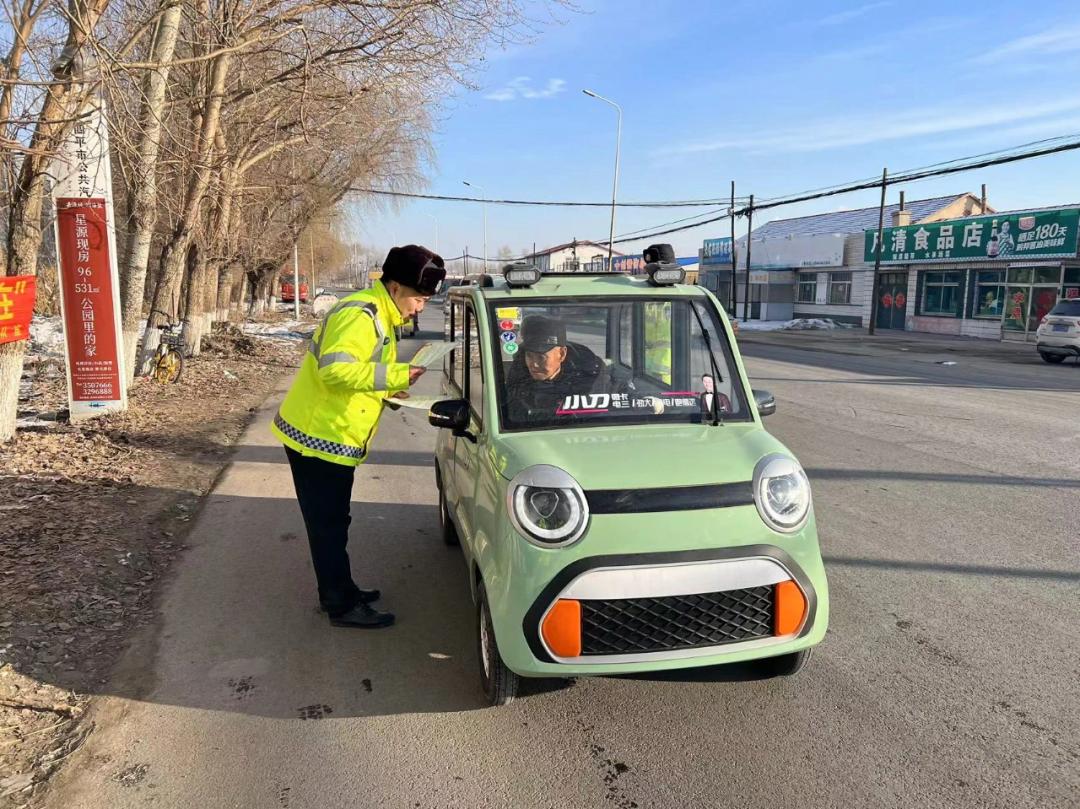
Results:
x,y
415,372
401,394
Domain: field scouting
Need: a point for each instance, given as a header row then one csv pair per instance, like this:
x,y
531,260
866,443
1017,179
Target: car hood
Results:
x,y
641,456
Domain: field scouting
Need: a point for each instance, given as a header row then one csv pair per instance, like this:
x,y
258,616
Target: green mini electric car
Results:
x,y
605,470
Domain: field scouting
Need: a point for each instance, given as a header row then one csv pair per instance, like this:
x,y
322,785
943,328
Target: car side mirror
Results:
x,y
766,403
453,415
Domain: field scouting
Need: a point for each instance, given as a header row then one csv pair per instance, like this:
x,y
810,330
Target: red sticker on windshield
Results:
x,y
506,325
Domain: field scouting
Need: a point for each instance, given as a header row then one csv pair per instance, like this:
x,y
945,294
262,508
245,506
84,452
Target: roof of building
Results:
x,y
849,221
568,245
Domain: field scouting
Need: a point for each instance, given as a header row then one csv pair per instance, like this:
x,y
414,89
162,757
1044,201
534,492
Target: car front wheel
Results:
x,y
499,683
1053,359
446,524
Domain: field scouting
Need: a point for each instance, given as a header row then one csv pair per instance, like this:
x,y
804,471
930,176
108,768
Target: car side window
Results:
x,y
475,372
456,362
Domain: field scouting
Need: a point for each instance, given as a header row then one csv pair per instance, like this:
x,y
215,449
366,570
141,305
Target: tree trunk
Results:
x,y
196,264
142,190
173,257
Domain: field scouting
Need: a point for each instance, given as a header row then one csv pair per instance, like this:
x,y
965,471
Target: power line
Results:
x,y
1013,154
690,203
1002,157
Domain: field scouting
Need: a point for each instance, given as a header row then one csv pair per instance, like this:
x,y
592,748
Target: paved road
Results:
x,y
948,498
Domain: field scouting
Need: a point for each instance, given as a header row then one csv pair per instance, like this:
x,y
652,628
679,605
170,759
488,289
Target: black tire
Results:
x,y
499,683
446,523
1053,359
169,367
785,665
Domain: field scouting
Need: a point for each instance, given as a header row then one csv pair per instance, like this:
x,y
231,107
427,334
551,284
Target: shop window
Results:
x,y
989,293
1047,275
839,287
1072,276
808,288
941,294
1020,275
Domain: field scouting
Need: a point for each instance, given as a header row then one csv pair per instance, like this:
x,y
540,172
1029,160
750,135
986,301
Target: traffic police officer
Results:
x,y
331,412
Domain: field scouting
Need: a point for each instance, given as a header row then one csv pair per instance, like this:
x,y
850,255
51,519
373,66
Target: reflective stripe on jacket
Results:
x,y
332,408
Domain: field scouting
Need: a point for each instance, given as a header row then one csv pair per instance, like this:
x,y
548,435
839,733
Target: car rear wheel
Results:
x,y
499,682
785,665
1053,359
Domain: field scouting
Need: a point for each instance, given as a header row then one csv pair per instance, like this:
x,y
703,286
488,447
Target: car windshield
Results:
x,y
1069,308
619,361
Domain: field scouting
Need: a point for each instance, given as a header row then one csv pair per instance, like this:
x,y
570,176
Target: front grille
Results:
x,y
637,625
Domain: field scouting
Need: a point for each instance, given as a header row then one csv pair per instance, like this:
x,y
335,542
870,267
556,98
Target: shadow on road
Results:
x,y
940,477
904,369
944,567
251,453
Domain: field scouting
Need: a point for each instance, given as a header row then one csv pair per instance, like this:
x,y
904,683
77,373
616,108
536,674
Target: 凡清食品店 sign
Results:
x,y
1004,237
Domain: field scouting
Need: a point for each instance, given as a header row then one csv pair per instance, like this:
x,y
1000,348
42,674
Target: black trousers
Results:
x,y
324,491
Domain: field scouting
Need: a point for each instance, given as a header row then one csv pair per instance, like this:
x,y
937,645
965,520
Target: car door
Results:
x,y
468,449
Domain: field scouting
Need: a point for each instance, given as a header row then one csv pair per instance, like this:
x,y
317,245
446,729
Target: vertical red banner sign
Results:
x,y
89,300
16,306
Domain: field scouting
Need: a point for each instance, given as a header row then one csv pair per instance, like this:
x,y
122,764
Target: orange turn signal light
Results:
x,y
561,628
789,608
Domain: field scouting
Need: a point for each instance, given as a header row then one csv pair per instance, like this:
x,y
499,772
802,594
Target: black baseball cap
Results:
x,y
541,333
415,267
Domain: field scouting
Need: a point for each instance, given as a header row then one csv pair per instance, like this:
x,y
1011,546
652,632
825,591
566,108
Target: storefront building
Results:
x,y
994,276
814,267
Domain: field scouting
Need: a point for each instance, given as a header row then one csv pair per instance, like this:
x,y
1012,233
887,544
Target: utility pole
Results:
x,y
877,252
734,296
749,228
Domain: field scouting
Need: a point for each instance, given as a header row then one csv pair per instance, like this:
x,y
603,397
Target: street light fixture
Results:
x,y
484,206
615,185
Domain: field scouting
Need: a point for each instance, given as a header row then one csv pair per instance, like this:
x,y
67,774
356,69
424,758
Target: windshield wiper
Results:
x,y
717,419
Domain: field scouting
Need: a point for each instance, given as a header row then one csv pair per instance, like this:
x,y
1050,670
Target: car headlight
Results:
x,y
781,493
547,506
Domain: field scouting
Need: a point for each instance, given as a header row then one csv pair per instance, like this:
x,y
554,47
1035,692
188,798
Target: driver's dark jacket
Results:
x,y
582,372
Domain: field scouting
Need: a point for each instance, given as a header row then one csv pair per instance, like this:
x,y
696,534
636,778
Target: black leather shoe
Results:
x,y
366,597
363,617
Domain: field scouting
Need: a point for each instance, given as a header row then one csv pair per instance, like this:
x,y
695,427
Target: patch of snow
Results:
x,y
798,324
46,335
287,330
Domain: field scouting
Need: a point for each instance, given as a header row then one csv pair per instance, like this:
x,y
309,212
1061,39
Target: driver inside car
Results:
x,y
549,368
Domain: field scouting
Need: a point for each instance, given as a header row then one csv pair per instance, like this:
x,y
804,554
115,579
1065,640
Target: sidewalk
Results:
x,y
859,343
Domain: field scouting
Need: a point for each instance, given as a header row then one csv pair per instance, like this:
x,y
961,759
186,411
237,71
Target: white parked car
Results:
x,y
1058,335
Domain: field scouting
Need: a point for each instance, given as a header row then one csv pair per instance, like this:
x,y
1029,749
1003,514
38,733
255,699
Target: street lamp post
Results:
x,y
484,206
436,221
615,184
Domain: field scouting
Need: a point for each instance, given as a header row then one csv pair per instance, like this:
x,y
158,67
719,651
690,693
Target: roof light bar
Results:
x,y
662,274
520,275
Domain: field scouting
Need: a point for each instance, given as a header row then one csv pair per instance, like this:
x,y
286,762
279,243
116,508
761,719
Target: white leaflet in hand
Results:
x,y
417,402
431,354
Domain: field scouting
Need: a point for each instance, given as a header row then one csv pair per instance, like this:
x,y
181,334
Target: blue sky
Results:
x,y
780,96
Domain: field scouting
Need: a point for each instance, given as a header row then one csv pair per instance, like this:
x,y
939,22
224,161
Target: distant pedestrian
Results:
x,y
332,410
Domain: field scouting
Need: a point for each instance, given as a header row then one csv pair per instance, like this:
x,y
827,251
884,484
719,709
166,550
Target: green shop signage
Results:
x,y
1009,237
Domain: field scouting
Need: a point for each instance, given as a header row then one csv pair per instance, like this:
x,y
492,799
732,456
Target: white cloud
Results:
x,y
521,87
1050,42
840,132
842,17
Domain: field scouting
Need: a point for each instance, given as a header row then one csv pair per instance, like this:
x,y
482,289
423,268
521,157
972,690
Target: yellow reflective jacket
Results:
x,y
333,406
